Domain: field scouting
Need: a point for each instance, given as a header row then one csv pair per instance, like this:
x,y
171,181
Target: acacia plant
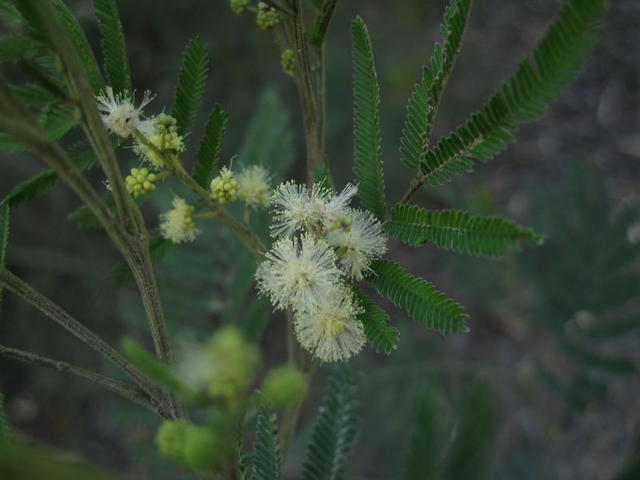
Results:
x,y
314,249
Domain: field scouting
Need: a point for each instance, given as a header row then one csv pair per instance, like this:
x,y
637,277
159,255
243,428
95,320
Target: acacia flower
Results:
x,y
140,181
253,186
120,115
160,131
359,244
314,209
332,332
178,224
299,273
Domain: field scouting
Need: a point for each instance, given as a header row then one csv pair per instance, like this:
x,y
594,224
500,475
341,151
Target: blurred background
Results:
x,y
550,368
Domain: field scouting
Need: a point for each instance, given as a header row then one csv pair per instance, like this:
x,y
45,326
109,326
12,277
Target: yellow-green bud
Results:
x,y
288,61
162,132
267,17
202,448
170,439
239,6
234,360
224,187
284,386
140,181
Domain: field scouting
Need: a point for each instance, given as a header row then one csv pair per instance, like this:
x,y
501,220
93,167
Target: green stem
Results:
x,y
62,318
123,389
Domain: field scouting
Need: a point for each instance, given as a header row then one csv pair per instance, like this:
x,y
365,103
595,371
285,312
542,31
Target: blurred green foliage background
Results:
x,y
550,367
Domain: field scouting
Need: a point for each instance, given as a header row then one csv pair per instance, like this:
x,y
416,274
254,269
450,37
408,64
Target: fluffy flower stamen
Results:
x,y
178,224
120,115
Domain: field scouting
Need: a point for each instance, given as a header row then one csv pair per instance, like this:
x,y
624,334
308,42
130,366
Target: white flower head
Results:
x,y
299,273
315,209
178,224
332,332
119,113
359,244
253,186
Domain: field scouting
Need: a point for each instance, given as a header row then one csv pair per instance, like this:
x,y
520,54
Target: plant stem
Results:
x,y
123,389
62,318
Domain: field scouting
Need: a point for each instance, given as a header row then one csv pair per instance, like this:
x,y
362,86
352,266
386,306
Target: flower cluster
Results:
x,y
119,113
224,187
140,181
268,17
161,134
322,244
178,224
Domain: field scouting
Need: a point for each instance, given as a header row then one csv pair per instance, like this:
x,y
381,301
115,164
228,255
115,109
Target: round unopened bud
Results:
x,y
224,187
202,448
170,438
284,386
267,17
140,181
234,362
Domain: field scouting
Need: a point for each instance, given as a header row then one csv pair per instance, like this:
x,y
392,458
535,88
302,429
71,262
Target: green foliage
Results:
x,y
15,47
382,337
366,123
426,447
5,432
322,21
150,366
335,429
265,458
268,139
191,83
40,183
470,455
80,42
523,97
211,146
424,303
10,13
425,98
4,242
457,230
114,49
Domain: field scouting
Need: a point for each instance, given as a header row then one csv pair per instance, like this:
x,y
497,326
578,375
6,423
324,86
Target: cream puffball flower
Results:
x,y
332,332
119,114
359,244
299,273
178,224
314,209
253,186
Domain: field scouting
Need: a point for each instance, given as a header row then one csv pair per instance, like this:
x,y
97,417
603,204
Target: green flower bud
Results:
x,y
170,439
267,17
202,448
284,386
239,6
288,61
140,181
224,187
234,360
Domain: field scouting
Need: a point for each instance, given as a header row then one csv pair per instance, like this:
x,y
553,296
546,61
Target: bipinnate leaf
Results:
x,y
367,147
457,230
422,301
191,83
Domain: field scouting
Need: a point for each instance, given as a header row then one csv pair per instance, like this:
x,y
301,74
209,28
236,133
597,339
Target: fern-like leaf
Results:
x,y
191,82
265,458
4,241
457,230
366,123
322,22
335,430
425,98
382,337
114,48
211,146
523,97
80,42
424,303
41,183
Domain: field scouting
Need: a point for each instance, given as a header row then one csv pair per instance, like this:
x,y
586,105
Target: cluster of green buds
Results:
x,y
140,181
200,448
284,386
239,6
288,61
268,17
224,187
161,134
